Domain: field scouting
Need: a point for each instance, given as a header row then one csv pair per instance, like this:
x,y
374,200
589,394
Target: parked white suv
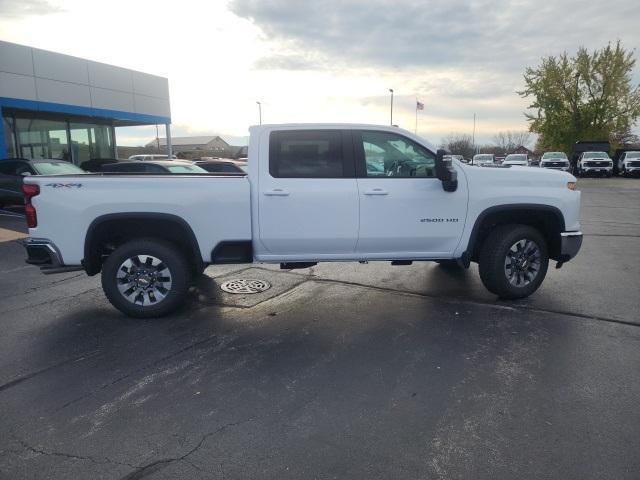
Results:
x,y
319,192
597,163
629,164
555,161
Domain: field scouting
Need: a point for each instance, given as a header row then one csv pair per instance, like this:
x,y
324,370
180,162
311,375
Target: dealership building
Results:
x,y
64,107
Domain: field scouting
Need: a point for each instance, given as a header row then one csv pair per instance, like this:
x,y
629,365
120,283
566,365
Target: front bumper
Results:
x,y
570,243
44,254
588,169
565,168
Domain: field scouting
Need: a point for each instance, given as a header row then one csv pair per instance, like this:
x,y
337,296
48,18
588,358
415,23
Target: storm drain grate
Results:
x,y
245,285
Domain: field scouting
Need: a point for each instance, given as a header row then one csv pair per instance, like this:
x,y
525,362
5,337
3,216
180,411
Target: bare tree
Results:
x,y
459,144
509,140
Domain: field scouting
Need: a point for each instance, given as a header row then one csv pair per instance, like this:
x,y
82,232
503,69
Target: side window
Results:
x,y
23,168
391,155
306,154
151,168
7,167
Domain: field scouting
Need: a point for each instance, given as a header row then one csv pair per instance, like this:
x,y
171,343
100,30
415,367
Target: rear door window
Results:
x,y
309,154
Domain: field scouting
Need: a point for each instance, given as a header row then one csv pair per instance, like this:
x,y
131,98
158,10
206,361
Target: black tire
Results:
x,y
170,259
493,261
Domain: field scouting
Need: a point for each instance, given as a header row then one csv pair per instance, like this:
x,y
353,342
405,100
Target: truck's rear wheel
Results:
x,y
145,278
513,261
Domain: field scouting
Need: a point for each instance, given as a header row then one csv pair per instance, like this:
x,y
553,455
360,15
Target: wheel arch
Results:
x,y
111,230
546,218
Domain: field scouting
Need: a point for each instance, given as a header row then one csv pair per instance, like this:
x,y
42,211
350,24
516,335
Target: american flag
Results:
x,y
419,106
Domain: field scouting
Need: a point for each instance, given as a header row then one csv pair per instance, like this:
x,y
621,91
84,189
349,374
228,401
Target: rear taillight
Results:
x,y
29,191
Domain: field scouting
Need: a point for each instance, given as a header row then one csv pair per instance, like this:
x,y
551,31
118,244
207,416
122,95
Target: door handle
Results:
x,y
276,192
376,191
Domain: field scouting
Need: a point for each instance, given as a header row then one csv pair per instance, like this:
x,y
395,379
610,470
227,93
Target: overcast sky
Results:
x,y
327,60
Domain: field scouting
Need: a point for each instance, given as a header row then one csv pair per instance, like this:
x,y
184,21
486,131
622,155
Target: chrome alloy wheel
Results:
x,y
144,280
522,263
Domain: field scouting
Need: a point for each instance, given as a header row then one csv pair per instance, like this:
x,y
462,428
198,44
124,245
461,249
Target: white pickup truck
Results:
x,y
319,192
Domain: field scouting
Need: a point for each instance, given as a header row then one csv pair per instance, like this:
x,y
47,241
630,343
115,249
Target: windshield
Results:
x,y
56,168
595,155
518,157
560,155
632,155
186,169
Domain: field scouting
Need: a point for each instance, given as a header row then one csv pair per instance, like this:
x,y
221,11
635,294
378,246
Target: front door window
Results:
x,y
390,155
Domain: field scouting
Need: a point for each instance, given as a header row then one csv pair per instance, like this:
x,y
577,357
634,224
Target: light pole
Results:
x,y
473,138
391,90
260,112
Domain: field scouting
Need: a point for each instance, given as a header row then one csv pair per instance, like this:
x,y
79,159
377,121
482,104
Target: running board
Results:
x,y
296,265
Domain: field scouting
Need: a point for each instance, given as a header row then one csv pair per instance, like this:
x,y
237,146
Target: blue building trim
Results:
x,y
33,105
3,144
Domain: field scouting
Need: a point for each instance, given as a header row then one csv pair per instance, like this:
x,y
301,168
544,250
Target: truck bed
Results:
x,y
68,204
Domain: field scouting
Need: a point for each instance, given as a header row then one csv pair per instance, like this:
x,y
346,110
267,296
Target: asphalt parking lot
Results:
x,y
338,371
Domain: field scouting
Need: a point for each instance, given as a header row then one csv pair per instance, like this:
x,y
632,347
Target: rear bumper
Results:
x,y
570,243
44,254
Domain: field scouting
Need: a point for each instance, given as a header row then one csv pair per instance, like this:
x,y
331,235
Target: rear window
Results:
x,y
56,168
306,154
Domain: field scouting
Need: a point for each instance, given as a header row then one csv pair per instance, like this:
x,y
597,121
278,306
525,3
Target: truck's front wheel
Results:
x,y
145,278
513,261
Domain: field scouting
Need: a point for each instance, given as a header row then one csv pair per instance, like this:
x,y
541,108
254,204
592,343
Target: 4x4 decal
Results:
x,y
64,185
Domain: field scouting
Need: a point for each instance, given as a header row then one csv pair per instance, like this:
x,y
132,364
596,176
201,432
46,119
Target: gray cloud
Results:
x,y
479,34
24,8
287,62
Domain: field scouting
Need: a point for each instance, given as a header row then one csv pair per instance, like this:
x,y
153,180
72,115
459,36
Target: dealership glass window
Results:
x,y
42,138
91,141
9,137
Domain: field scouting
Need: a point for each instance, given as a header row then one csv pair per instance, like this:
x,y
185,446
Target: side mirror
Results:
x,y
26,174
445,172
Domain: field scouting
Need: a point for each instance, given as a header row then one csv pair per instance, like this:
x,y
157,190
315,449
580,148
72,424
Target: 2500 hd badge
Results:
x,y
438,220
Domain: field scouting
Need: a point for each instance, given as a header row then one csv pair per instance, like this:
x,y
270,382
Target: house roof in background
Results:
x,y
201,140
